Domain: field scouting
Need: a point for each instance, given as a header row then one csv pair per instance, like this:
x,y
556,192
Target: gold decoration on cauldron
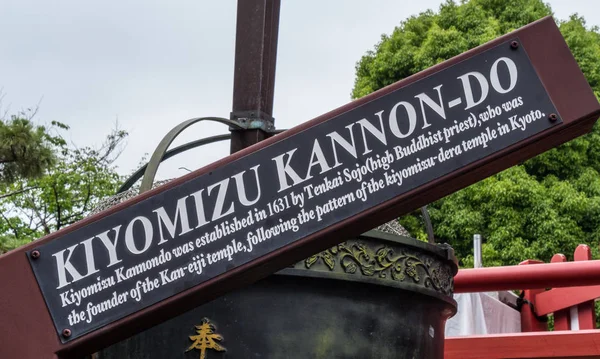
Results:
x,y
206,338
385,264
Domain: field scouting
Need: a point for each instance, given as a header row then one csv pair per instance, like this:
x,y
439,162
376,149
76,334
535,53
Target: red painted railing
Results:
x,y
546,275
575,286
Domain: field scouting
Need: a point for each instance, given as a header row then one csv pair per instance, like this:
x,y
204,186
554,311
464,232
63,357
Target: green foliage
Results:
x,y
548,204
26,150
430,38
519,216
80,178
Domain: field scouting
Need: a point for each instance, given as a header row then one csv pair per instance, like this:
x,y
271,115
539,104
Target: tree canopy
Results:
x,y
64,194
26,150
546,205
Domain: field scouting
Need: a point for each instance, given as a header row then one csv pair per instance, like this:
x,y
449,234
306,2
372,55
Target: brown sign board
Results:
x,y
244,217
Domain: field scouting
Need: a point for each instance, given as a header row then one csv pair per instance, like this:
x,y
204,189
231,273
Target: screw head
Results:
x,y
66,333
35,254
514,45
553,117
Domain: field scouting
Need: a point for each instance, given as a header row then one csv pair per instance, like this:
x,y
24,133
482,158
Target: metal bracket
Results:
x,y
253,120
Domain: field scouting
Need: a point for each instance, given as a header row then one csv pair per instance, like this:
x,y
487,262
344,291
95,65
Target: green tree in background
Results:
x,y
66,192
26,150
548,204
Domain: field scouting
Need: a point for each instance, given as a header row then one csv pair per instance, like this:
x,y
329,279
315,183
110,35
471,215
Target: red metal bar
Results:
x,y
561,344
546,275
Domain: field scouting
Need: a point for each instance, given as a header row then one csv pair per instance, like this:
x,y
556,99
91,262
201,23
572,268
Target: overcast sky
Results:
x,y
152,64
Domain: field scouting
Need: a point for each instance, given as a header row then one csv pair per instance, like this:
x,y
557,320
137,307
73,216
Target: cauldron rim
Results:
x,y
441,253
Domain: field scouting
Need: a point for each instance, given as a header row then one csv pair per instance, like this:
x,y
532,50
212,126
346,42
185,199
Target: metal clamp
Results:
x,y
522,301
253,120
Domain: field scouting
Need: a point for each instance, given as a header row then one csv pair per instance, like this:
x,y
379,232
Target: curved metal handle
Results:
x,y
170,153
164,144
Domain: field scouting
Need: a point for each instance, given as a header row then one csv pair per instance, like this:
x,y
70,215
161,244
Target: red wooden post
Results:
x,y
562,318
586,311
529,322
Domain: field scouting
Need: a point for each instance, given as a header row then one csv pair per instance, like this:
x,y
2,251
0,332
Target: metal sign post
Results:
x,y
254,75
267,206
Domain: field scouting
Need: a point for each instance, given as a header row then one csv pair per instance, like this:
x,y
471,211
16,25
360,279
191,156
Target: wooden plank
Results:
x,y
559,298
558,344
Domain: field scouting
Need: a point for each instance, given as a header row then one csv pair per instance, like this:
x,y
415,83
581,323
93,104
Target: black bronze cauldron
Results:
x,y
376,296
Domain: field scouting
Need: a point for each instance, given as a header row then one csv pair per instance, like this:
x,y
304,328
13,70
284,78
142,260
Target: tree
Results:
x,y
26,150
33,207
548,204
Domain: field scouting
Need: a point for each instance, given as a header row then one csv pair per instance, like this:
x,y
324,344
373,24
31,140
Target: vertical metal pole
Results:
x,y
477,250
254,74
428,225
